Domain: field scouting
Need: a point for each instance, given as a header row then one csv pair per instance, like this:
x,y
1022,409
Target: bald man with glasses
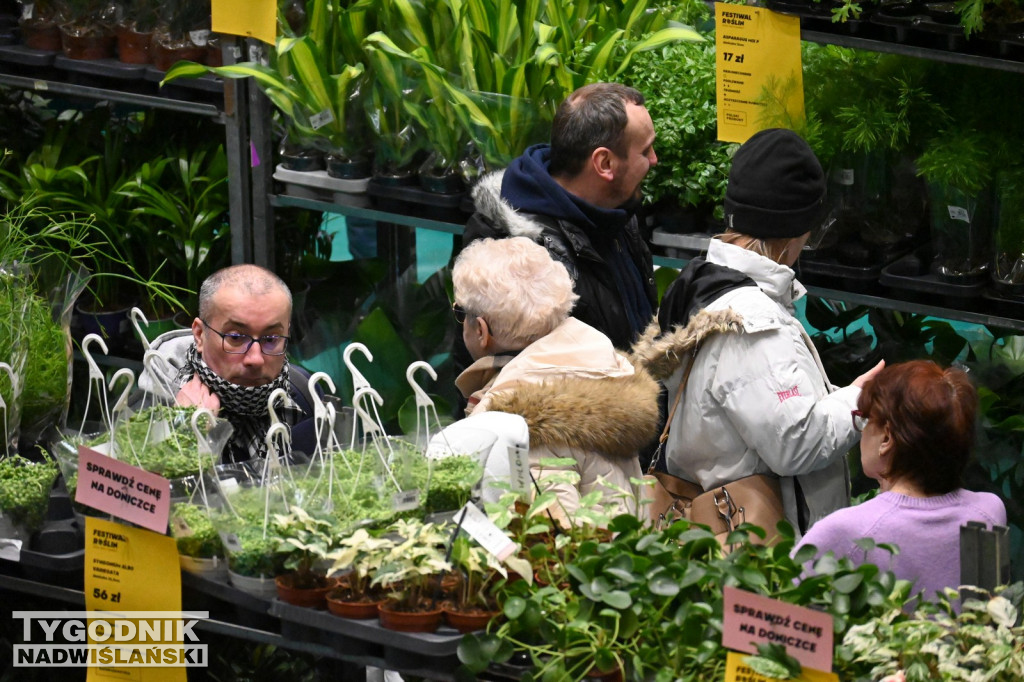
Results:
x,y
235,355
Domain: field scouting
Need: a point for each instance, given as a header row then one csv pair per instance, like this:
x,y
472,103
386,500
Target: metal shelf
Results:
x,y
51,87
932,54
888,303
353,209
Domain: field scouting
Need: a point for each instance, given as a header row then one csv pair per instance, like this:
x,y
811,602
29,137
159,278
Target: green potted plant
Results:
x,y
200,549
161,439
686,189
181,33
956,165
316,81
1008,272
304,541
88,29
40,24
134,32
359,555
475,603
24,494
409,572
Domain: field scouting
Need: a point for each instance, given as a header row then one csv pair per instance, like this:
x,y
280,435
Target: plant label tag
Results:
x,y
231,542
483,530
958,213
519,468
750,619
180,528
10,549
228,486
317,121
844,176
27,11
127,492
406,500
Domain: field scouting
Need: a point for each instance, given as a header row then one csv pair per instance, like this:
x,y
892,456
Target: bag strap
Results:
x,y
675,404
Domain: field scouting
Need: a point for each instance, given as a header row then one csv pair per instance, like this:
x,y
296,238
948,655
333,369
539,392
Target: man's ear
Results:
x,y
197,334
603,162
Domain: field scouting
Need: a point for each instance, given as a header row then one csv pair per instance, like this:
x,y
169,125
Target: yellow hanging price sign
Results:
x,y
133,597
757,62
248,18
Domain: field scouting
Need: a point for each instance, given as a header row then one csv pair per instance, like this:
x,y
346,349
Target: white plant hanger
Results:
x,y
135,315
96,381
14,394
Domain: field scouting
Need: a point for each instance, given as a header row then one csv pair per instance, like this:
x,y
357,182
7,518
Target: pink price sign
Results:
x,y
127,492
750,619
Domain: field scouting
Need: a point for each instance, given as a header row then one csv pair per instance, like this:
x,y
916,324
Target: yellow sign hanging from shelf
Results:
x,y
247,18
758,70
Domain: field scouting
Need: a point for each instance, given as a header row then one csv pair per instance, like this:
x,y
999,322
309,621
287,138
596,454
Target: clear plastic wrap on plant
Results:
x,y
16,295
25,492
47,391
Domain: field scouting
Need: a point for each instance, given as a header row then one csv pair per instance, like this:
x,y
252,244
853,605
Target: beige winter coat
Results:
x,y
582,400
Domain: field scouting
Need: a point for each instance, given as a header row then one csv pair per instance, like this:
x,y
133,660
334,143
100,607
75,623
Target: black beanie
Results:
x,y
776,187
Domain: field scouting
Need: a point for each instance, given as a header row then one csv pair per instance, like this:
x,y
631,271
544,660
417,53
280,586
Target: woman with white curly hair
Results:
x,y
581,399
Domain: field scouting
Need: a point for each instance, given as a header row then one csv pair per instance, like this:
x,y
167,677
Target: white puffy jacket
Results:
x,y
759,401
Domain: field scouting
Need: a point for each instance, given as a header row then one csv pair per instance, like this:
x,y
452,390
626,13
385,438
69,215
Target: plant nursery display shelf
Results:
x,y
138,85
235,614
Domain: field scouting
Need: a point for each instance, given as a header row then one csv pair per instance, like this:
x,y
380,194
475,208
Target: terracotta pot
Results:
x,y
133,47
40,36
312,597
164,56
469,621
88,46
601,676
356,610
409,621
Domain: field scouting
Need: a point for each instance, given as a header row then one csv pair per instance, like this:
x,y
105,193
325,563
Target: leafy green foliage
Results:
x,y
678,82
25,489
193,532
160,439
46,392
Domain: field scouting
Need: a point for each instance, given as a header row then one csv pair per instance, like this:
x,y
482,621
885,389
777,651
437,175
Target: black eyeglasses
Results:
x,y
459,312
239,344
860,420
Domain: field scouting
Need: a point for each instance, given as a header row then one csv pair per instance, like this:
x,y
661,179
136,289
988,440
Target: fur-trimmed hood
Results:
x,y
662,354
615,416
488,202
574,390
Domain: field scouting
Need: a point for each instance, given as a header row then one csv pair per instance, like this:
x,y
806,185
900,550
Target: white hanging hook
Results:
x,y
319,410
370,425
358,380
14,392
275,395
200,413
422,399
135,315
14,382
160,374
95,377
94,369
121,405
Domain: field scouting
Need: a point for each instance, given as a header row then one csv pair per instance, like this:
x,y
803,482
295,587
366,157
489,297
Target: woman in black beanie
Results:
x,y
757,401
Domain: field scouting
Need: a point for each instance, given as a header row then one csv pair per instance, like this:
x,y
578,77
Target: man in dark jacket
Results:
x,y
578,197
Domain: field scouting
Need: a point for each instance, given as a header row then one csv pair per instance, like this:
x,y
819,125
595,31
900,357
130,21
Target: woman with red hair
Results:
x,y
917,430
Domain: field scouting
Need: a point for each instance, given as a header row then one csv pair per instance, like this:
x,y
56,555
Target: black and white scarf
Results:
x,y
244,406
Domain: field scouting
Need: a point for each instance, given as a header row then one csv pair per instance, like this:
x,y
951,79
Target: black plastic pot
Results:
x,y
347,169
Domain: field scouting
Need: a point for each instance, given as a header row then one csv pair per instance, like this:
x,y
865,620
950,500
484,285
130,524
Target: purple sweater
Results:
x,y
926,529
